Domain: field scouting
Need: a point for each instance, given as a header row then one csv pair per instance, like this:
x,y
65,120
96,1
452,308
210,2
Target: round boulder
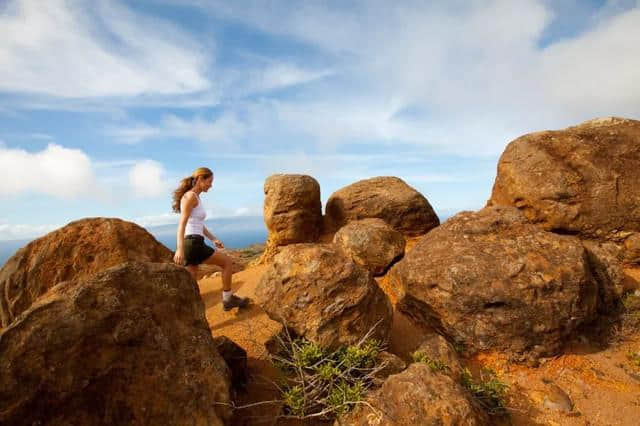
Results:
x,y
371,243
77,250
320,294
388,198
583,180
489,279
292,209
128,346
417,396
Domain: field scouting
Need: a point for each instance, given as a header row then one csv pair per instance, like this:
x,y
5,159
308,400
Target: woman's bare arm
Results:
x,y
212,237
187,204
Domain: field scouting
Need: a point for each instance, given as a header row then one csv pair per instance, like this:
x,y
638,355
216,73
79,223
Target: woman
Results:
x,y
191,249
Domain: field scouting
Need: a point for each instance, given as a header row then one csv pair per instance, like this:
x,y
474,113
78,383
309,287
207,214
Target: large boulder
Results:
x,y
77,250
320,294
129,345
489,279
371,243
417,396
583,180
388,198
292,209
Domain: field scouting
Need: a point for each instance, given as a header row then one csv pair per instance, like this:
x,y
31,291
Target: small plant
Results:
x,y
490,392
634,357
294,400
344,396
321,383
307,353
360,356
435,365
327,371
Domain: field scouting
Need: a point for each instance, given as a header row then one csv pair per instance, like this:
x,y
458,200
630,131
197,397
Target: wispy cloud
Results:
x,y
215,213
96,49
22,231
476,69
135,133
224,129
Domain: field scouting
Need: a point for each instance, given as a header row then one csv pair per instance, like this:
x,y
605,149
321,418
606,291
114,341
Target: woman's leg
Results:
x,y
225,262
193,270
229,300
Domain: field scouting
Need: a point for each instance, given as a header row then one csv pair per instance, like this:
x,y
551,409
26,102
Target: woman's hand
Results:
x,y
218,243
178,258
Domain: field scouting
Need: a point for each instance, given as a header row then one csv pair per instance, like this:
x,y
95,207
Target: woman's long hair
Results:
x,y
188,183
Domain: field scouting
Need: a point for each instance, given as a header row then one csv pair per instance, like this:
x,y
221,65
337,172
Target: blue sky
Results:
x,y
105,105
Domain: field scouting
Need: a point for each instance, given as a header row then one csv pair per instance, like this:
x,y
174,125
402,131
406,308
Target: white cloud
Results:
x,y
41,136
224,130
475,70
76,49
598,71
23,232
157,220
136,133
215,213
147,179
56,170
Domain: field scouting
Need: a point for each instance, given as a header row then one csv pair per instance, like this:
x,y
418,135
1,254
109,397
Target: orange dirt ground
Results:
x,y
602,383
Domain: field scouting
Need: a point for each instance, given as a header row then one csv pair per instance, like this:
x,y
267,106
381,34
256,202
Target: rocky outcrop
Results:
x,y
129,345
320,294
489,279
417,396
387,198
75,251
292,209
371,243
583,180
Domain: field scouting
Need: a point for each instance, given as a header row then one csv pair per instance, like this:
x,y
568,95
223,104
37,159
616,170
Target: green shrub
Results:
x,y
294,400
307,353
435,365
323,383
327,371
490,392
363,356
634,357
344,396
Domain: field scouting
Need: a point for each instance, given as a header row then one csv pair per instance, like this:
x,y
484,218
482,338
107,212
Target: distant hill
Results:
x,y
8,248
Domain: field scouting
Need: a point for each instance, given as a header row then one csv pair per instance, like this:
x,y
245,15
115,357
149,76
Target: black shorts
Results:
x,y
195,250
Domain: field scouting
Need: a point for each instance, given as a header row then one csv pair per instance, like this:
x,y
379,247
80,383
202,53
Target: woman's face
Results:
x,y
205,184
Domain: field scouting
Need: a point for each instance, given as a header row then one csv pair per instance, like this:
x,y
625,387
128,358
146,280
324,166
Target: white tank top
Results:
x,y
195,223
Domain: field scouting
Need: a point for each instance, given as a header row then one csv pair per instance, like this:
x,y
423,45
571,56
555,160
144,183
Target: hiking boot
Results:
x,y
235,302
